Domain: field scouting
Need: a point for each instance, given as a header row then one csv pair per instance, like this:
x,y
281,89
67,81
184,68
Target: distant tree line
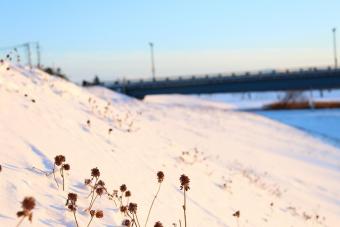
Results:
x,y
94,82
55,72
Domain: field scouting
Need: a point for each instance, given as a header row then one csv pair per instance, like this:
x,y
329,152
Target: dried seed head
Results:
x,y
95,172
115,193
237,214
100,191
92,213
126,222
72,197
20,213
127,194
132,207
184,182
66,167
101,183
99,214
123,188
72,207
28,203
0,168
59,159
160,176
123,209
87,181
158,224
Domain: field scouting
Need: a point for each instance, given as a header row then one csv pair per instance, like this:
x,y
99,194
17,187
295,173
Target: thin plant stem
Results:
x,y
62,175
92,202
55,179
92,191
154,198
180,223
75,218
132,219
21,220
90,221
135,214
184,210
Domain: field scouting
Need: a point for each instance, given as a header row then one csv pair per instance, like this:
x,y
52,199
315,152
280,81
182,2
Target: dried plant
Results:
x,y
126,222
0,168
132,208
64,167
158,224
27,205
98,214
97,188
160,178
237,216
185,187
59,162
72,206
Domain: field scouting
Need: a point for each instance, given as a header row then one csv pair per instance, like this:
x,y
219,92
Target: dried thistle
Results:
x,y
97,188
99,214
237,214
59,159
184,180
123,209
95,172
160,178
64,167
123,188
100,191
127,193
126,222
158,224
132,208
71,205
27,205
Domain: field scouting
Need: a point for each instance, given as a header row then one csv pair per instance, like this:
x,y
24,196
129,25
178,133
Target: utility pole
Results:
x,y
334,49
38,55
153,71
27,45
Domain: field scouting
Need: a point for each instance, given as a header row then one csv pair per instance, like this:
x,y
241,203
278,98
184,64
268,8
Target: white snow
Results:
x,y
235,160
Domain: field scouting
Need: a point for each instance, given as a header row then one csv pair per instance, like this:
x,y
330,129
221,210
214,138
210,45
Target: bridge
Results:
x,y
273,80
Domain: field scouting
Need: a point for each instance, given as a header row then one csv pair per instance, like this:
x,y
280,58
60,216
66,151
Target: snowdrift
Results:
x,y
273,174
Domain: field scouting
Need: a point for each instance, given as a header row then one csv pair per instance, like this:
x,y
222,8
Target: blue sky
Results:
x,y
110,38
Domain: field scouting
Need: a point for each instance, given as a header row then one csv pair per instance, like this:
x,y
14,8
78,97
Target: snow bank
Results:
x,y
273,174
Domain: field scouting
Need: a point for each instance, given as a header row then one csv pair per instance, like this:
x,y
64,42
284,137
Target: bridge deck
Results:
x,y
313,78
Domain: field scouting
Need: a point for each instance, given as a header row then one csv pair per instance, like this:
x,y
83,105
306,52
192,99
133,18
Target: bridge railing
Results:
x,y
217,76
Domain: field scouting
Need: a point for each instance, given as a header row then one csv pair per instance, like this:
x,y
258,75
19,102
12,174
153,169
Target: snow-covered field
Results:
x,y
274,174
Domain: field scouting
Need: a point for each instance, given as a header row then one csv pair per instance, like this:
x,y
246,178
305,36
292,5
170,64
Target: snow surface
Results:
x,y
235,160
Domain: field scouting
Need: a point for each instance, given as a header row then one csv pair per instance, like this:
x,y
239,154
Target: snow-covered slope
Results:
x,y
273,174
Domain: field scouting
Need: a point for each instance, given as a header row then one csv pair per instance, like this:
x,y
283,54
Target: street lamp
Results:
x,y
334,49
153,71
